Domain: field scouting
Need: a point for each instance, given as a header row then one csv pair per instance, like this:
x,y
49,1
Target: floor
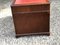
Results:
x,y
7,31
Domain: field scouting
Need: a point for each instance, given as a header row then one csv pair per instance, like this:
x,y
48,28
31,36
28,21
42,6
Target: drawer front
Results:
x,y
30,8
31,22
43,7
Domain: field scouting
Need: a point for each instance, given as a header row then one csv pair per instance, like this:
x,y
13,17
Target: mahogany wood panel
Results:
x,y
31,22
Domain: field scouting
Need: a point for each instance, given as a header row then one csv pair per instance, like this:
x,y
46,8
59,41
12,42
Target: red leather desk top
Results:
x,y
30,1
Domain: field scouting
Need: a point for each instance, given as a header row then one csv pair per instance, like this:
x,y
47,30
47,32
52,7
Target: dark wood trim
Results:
x,y
33,34
31,12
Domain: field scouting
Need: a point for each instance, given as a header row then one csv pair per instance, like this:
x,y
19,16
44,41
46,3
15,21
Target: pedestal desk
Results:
x,y
31,17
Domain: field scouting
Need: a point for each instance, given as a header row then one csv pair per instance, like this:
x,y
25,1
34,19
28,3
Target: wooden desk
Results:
x,y
31,17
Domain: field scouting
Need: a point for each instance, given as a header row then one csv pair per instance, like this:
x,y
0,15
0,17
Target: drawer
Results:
x,y
30,8
26,23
